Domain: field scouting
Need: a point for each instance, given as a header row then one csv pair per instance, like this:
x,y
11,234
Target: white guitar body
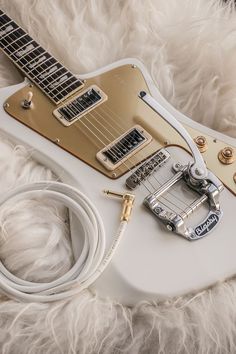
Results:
x,y
151,262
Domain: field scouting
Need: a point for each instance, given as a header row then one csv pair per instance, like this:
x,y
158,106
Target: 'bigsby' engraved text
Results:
x,y
205,227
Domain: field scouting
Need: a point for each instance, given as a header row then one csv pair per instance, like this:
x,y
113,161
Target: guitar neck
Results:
x,y
37,64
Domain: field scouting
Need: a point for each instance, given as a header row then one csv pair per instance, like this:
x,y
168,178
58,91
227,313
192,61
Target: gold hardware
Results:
x,y
201,143
234,177
226,155
128,201
6,105
57,141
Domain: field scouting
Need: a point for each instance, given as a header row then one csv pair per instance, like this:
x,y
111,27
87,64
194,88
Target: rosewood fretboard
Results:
x,y
41,68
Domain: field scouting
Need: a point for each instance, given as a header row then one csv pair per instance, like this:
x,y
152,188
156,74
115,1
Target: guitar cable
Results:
x,y
92,260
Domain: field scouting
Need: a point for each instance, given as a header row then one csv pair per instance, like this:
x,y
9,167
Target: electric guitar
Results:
x,y
113,130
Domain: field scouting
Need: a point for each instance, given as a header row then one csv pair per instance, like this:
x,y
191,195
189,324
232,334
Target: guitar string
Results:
x,y
23,44
19,40
151,176
114,113
30,55
154,188
135,94
132,165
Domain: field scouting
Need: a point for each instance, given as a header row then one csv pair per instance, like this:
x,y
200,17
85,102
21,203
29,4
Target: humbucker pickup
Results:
x,y
121,149
78,106
147,169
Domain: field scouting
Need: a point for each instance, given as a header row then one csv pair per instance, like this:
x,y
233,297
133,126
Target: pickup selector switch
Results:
x,y
27,102
226,155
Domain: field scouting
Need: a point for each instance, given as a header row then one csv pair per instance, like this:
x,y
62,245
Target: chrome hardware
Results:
x,y
198,169
26,103
128,201
209,191
226,156
201,143
147,169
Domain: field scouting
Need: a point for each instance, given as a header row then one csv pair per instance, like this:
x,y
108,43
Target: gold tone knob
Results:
x,y
201,143
226,155
234,177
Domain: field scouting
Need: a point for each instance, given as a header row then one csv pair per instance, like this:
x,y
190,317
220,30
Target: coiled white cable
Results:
x,y
92,260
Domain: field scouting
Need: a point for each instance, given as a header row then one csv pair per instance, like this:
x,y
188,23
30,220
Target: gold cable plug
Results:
x,y
128,201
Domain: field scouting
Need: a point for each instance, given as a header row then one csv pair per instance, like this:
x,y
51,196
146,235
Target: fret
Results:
x,y
25,50
12,33
53,78
34,65
17,45
4,25
30,56
31,62
42,67
4,32
29,48
10,36
62,79
46,73
5,21
44,70
15,40
72,85
55,93
65,90
5,18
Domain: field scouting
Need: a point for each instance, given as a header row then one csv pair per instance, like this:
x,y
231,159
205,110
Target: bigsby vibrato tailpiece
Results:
x,y
196,176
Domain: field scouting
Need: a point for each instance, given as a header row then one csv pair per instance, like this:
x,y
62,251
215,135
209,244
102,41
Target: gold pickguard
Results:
x,y
122,86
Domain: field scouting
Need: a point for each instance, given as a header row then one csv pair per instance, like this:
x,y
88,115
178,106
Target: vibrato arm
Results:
x,y
198,169
196,176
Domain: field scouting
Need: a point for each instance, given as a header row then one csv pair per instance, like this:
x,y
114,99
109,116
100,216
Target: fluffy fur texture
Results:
x,y
189,47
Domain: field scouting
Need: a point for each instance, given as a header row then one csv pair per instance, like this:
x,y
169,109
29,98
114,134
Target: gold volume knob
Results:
x,y
226,155
201,143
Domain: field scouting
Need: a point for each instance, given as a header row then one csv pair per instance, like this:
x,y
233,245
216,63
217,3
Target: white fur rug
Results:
x,y
189,46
